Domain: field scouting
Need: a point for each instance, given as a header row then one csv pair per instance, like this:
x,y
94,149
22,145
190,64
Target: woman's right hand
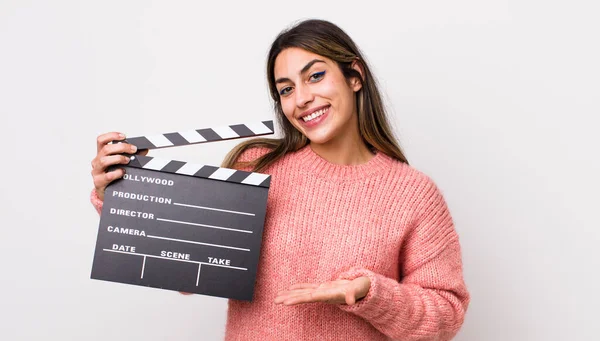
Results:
x,y
108,155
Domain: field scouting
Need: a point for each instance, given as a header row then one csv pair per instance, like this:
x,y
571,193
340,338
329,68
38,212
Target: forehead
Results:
x,y
290,61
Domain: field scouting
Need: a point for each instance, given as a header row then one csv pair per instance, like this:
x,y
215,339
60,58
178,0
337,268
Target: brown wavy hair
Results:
x,y
328,40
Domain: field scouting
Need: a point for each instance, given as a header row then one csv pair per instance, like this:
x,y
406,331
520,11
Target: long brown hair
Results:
x,y
328,40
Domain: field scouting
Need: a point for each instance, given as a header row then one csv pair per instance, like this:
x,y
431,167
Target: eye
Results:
x,y
285,91
317,76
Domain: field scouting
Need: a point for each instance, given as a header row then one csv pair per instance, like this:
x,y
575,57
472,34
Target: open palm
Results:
x,y
336,292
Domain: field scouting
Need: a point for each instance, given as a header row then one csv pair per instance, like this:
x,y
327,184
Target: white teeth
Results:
x,y
314,115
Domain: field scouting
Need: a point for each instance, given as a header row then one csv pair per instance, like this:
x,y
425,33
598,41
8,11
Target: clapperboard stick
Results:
x,y
247,236
205,135
202,135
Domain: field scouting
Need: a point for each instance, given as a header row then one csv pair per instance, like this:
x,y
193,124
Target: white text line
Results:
x,y
214,209
199,243
203,225
143,266
198,277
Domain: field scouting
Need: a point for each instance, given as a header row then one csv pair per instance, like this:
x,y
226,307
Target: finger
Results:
x,y
293,292
361,286
310,297
103,179
304,286
350,295
186,293
333,284
333,287
327,295
104,162
284,295
103,139
321,285
118,148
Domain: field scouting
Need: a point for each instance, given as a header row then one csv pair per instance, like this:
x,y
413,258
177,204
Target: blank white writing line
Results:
x,y
143,266
203,225
179,260
199,243
198,277
213,209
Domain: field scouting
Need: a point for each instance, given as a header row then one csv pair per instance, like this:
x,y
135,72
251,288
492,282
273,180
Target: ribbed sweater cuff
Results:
x,y
95,200
382,295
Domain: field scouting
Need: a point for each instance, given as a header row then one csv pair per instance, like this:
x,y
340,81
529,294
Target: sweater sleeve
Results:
x,y
96,202
430,301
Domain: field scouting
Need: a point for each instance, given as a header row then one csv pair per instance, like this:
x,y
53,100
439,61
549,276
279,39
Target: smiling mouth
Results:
x,y
315,114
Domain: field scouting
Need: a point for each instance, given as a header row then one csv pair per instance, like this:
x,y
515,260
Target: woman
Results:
x,y
357,245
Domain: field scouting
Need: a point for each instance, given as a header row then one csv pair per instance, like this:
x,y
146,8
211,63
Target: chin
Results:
x,y
319,139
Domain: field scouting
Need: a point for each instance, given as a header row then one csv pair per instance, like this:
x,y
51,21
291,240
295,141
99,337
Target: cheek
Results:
x,y
329,89
344,96
287,106
333,91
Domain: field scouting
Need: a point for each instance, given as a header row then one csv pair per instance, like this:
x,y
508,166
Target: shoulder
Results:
x,y
417,186
409,173
245,160
252,154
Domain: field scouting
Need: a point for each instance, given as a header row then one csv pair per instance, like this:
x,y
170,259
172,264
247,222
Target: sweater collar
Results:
x,y
312,163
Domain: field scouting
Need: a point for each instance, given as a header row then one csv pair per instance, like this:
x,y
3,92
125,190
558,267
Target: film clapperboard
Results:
x,y
181,226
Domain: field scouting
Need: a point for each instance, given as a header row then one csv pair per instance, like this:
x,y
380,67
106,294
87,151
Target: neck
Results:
x,y
344,151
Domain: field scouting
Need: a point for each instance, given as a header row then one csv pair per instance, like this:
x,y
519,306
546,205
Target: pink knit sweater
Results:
x,y
382,219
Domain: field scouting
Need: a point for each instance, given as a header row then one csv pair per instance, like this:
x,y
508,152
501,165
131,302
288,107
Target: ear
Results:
x,y
356,83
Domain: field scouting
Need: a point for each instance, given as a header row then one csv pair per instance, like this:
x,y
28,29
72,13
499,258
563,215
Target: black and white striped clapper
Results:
x,y
184,226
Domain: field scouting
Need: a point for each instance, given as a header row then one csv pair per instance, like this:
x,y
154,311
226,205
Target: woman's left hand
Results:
x,y
336,292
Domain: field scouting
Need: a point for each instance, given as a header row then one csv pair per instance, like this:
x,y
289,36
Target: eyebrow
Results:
x,y
304,69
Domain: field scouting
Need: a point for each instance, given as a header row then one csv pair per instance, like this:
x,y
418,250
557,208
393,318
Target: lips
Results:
x,y
314,113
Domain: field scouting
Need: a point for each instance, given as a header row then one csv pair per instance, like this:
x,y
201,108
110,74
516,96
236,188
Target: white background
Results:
x,y
497,101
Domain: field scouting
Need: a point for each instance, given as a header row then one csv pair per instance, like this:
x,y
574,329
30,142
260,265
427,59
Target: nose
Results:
x,y
303,95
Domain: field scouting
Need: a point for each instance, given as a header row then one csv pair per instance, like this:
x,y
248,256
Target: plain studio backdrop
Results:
x,y
497,101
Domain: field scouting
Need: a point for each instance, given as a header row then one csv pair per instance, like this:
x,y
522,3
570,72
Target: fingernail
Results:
x,y
122,136
134,149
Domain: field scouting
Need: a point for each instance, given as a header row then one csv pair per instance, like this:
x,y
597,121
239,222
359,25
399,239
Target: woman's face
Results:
x,y
315,96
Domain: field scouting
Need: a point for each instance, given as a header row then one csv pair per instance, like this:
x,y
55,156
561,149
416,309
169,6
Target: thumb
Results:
x,y
350,295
